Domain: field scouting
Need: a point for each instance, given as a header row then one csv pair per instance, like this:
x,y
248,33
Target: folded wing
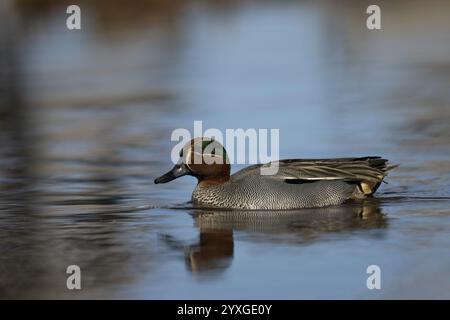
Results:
x,y
366,172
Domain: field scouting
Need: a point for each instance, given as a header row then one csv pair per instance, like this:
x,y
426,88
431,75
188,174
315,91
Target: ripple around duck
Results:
x,y
87,117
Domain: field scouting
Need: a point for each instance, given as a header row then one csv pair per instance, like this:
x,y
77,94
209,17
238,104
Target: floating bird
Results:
x,y
298,183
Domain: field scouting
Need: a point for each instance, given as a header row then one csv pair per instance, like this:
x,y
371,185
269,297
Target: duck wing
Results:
x,y
366,172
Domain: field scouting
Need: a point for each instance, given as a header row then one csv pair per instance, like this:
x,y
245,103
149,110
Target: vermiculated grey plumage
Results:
x,y
298,184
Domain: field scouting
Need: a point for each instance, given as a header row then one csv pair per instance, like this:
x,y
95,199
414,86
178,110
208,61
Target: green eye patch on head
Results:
x,y
212,147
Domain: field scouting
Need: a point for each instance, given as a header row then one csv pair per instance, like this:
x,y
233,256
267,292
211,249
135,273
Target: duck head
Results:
x,y
203,158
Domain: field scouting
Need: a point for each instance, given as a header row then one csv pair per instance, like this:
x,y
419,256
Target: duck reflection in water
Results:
x,y
213,253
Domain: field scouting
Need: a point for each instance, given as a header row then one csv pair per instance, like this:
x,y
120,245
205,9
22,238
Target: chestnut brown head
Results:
x,y
203,158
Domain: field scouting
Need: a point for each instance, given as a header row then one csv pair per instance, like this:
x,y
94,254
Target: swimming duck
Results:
x,y
298,183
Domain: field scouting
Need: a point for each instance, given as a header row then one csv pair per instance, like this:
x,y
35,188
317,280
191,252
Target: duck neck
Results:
x,y
215,179
209,181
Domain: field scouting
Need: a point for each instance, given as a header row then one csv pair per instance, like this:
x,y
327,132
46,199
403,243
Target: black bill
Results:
x,y
177,171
